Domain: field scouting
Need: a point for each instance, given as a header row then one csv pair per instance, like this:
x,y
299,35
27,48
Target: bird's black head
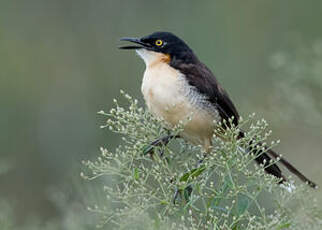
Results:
x,y
164,43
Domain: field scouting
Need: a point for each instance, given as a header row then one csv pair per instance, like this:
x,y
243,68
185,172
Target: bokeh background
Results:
x,y
59,65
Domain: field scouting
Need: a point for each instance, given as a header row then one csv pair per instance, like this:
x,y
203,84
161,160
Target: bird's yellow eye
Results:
x,y
158,42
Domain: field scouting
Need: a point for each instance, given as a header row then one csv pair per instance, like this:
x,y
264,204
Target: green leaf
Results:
x,y
242,205
192,174
147,149
187,193
164,202
284,226
136,173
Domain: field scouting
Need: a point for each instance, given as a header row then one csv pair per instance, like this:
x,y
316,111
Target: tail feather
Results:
x,y
292,169
273,169
270,168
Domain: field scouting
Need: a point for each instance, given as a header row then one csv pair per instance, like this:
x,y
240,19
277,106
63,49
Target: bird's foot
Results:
x,y
162,141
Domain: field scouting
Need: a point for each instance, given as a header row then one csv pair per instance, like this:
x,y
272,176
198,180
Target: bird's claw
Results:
x,y
158,142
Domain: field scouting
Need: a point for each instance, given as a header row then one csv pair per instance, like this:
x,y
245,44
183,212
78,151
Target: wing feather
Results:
x,y
204,81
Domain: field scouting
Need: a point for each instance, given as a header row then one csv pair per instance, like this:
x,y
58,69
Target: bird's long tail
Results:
x,y
291,168
265,157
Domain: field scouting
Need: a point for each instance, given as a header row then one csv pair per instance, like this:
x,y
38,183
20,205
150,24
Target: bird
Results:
x,y
176,84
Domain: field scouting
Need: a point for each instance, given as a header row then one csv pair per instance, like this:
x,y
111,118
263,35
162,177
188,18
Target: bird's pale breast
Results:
x,y
168,95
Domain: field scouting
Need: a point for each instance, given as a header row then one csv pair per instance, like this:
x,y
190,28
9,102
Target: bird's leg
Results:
x,y
159,142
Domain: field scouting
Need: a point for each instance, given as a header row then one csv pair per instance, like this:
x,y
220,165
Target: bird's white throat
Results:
x,y
149,57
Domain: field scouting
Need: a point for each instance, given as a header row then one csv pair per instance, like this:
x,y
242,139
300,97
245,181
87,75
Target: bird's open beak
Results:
x,y
134,40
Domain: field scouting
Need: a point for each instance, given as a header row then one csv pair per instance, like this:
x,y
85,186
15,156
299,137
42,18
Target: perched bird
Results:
x,y
176,84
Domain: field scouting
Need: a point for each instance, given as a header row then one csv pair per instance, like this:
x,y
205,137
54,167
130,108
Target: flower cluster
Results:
x,y
177,186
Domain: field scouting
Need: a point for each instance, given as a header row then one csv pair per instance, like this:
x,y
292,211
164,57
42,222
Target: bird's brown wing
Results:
x,y
204,81
200,77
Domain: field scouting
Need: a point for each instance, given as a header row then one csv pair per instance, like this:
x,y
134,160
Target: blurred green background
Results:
x,y
59,65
